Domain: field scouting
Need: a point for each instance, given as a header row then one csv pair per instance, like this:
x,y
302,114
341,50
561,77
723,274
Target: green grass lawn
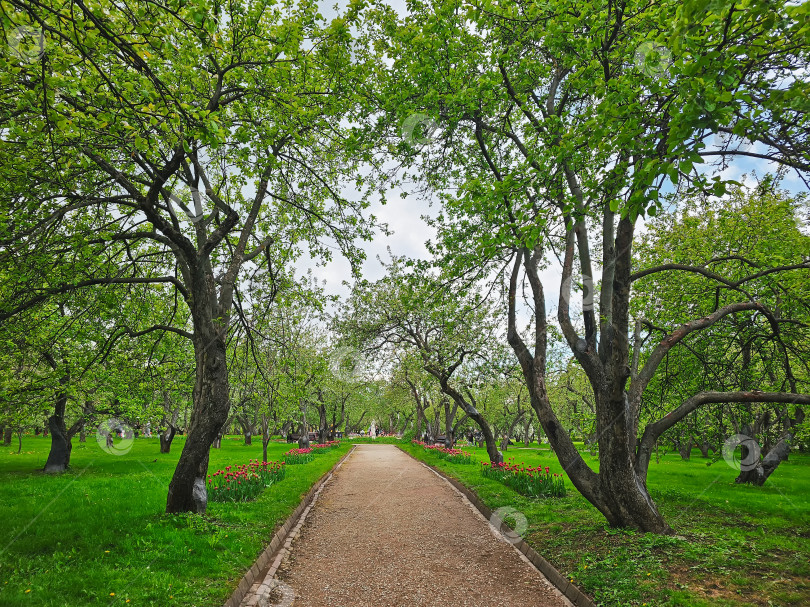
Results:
x,y
97,535
735,545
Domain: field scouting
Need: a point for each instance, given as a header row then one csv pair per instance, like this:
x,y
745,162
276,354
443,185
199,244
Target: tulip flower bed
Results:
x,y
298,456
332,444
455,456
245,482
528,481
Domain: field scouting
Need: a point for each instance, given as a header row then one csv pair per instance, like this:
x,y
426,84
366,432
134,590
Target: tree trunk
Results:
x,y
527,439
761,470
449,416
187,491
704,445
59,456
322,423
166,438
303,435
435,426
457,425
684,446
510,430
472,412
622,495
617,491
247,427
759,473
495,456
8,431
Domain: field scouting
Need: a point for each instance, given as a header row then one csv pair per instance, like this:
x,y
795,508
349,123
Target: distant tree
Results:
x,y
452,335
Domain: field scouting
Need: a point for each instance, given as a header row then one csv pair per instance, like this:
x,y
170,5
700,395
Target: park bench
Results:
x,y
293,437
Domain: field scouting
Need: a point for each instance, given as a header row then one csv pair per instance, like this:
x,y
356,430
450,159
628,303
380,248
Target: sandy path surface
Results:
x,y
388,531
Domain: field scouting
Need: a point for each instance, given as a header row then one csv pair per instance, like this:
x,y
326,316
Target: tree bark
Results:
x,y
758,474
684,446
704,445
8,432
527,439
166,438
59,456
322,421
511,429
247,427
303,435
449,416
210,411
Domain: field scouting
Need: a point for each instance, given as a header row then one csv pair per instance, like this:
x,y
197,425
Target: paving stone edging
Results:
x,y
262,565
559,581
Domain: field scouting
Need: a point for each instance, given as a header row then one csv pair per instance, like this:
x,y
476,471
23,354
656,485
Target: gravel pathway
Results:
x,y
388,531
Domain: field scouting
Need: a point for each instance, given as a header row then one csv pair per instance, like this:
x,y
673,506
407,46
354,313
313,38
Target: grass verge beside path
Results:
x,y
97,535
735,545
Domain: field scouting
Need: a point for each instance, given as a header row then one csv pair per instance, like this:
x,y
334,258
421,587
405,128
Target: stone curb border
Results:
x,y
555,578
261,567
